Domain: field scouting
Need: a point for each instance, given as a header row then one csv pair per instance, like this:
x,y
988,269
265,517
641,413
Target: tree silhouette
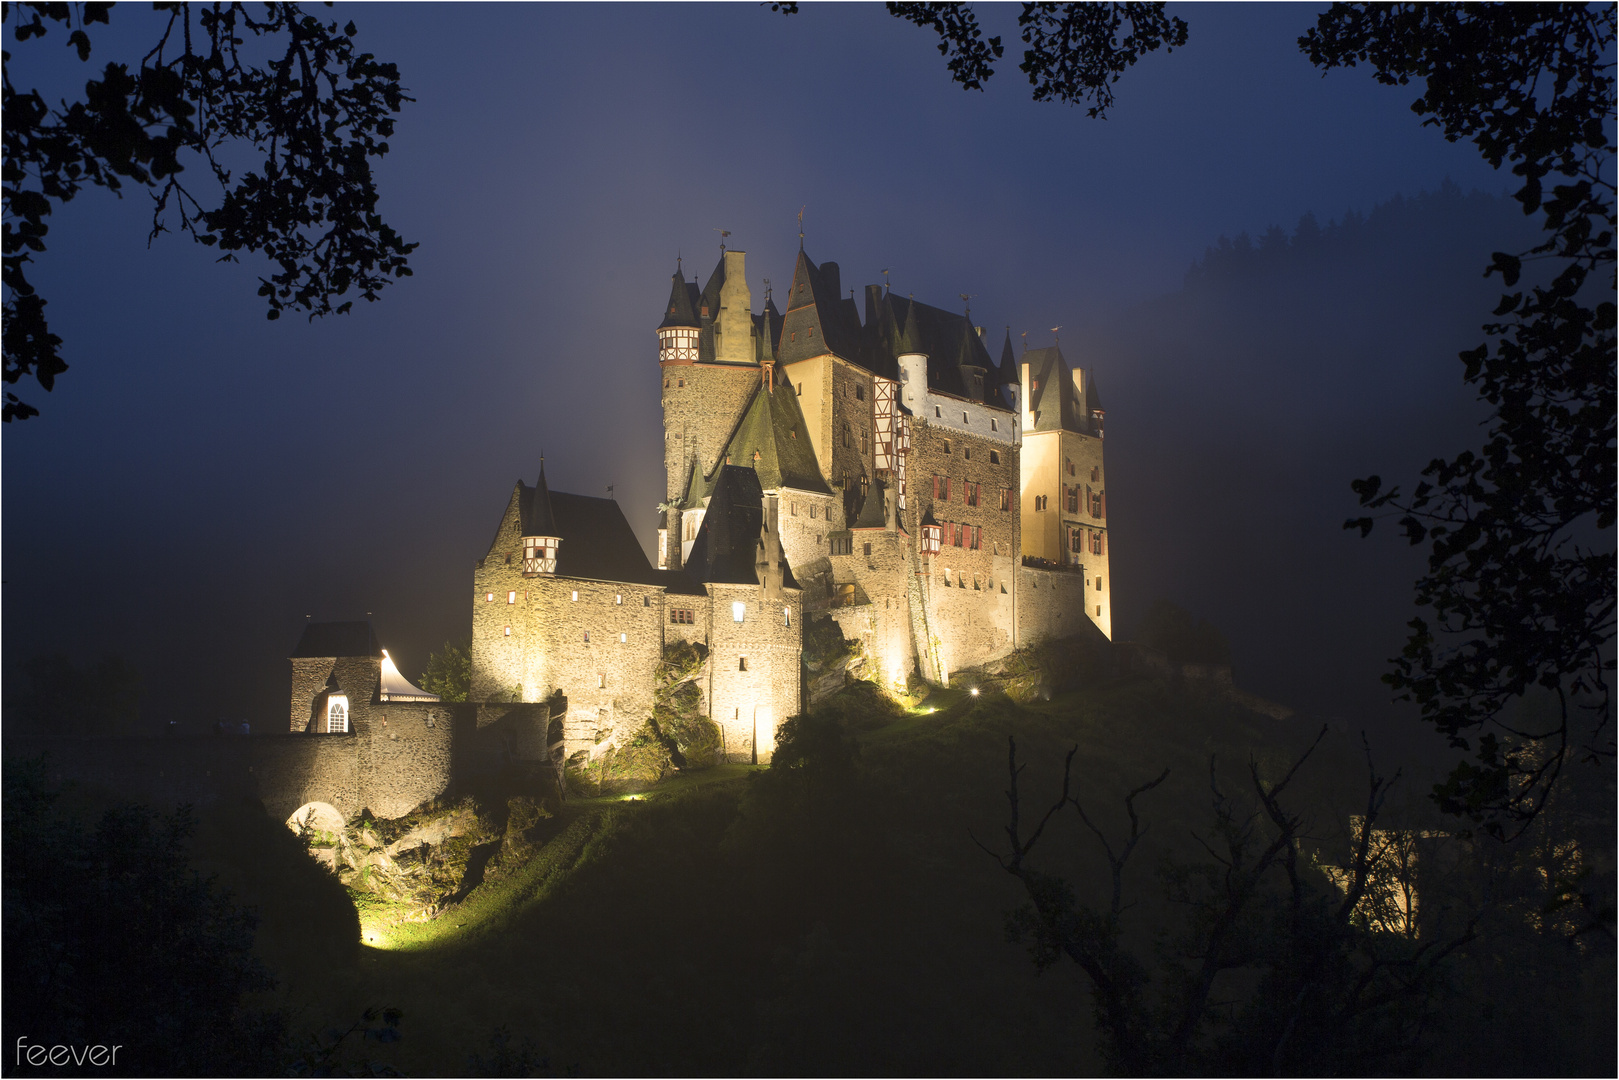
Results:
x,y
315,113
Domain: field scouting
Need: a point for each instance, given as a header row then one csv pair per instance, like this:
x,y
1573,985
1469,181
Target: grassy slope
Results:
x,y
697,932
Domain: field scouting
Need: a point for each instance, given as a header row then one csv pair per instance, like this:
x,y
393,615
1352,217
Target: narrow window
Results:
x,y
508,631
936,412
795,509
1098,611
646,601
511,598
576,594
786,616
587,637
860,393
742,664
682,384
738,610
994,457
601,680
967,453
868,549
813,508
618,598
964,416
489,596
1098,583
947,446
993,426
337,717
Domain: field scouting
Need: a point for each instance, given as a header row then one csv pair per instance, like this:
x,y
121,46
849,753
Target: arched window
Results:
x,y
337,716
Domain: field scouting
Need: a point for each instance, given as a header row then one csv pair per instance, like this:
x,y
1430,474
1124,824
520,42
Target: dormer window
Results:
x,y
932,538
540,555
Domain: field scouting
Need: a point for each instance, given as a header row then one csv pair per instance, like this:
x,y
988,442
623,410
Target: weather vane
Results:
x,y
801,210
1025,341
723,234
1054,336
767,290
966,303
885,279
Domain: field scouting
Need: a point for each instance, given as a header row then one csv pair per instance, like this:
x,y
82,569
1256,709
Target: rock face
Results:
x,y
431,858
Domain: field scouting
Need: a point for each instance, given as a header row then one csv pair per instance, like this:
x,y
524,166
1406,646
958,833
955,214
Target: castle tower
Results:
x,y
540,535
709,361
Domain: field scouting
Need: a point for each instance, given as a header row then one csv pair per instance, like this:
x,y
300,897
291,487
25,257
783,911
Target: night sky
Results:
x,y
201,479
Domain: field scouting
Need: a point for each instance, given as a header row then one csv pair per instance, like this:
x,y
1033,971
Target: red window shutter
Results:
x,y
1102,498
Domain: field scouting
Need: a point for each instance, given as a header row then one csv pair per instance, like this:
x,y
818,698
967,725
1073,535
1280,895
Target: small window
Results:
x,y
967,453
601,681
508,631
794,509
1098,611
859,393
964,416
936,412
794,335
994,457
576,594
337,717
786,616
947,576
738,610
742,663
646,601
813,509
587,637
489,596
623,639
511,598
812,331
947,446
868,549
508,558
993,426
682,384
680,616
1098,583
618,598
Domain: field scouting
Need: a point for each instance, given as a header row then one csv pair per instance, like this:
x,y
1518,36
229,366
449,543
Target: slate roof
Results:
x,y
1052,397
681,310
535,506
337,639
772,426
727,544
597,543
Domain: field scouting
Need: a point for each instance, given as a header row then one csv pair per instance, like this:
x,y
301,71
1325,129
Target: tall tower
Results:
x,y
708,358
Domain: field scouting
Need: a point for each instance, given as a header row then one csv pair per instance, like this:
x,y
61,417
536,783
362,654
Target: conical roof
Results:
x,y
1008,369
679,311
538,519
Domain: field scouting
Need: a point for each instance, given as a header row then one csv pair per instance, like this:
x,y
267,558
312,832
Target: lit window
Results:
x,y
337,718
576,594
623,638
738,609
618,598
601,681
947,575
511,598
587,637
508,631
489,596
786,616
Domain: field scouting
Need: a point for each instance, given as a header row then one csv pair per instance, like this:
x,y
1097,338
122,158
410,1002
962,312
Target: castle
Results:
x,y
941,506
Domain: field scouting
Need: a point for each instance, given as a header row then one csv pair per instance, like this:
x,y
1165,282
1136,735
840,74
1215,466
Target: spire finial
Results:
x,y
767,290
886,286
678,268
966,305
1025,341
1054,336
801,210
723,234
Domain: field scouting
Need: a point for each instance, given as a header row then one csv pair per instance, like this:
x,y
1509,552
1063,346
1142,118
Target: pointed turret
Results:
x,y
541,538
1008,370
678,333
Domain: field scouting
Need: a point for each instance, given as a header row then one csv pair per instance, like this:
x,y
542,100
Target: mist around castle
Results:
x,y
813,563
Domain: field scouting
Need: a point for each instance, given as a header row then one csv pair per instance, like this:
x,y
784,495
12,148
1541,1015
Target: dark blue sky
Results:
x,y
202,478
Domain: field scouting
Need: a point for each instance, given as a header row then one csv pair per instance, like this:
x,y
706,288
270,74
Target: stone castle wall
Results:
x,y
1051,604
754,699
701,405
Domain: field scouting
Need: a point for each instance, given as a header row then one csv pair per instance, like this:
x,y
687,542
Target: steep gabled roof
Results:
x,y
726,548
680,310
772,440
337,639
597,542
1051,393
1008,370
